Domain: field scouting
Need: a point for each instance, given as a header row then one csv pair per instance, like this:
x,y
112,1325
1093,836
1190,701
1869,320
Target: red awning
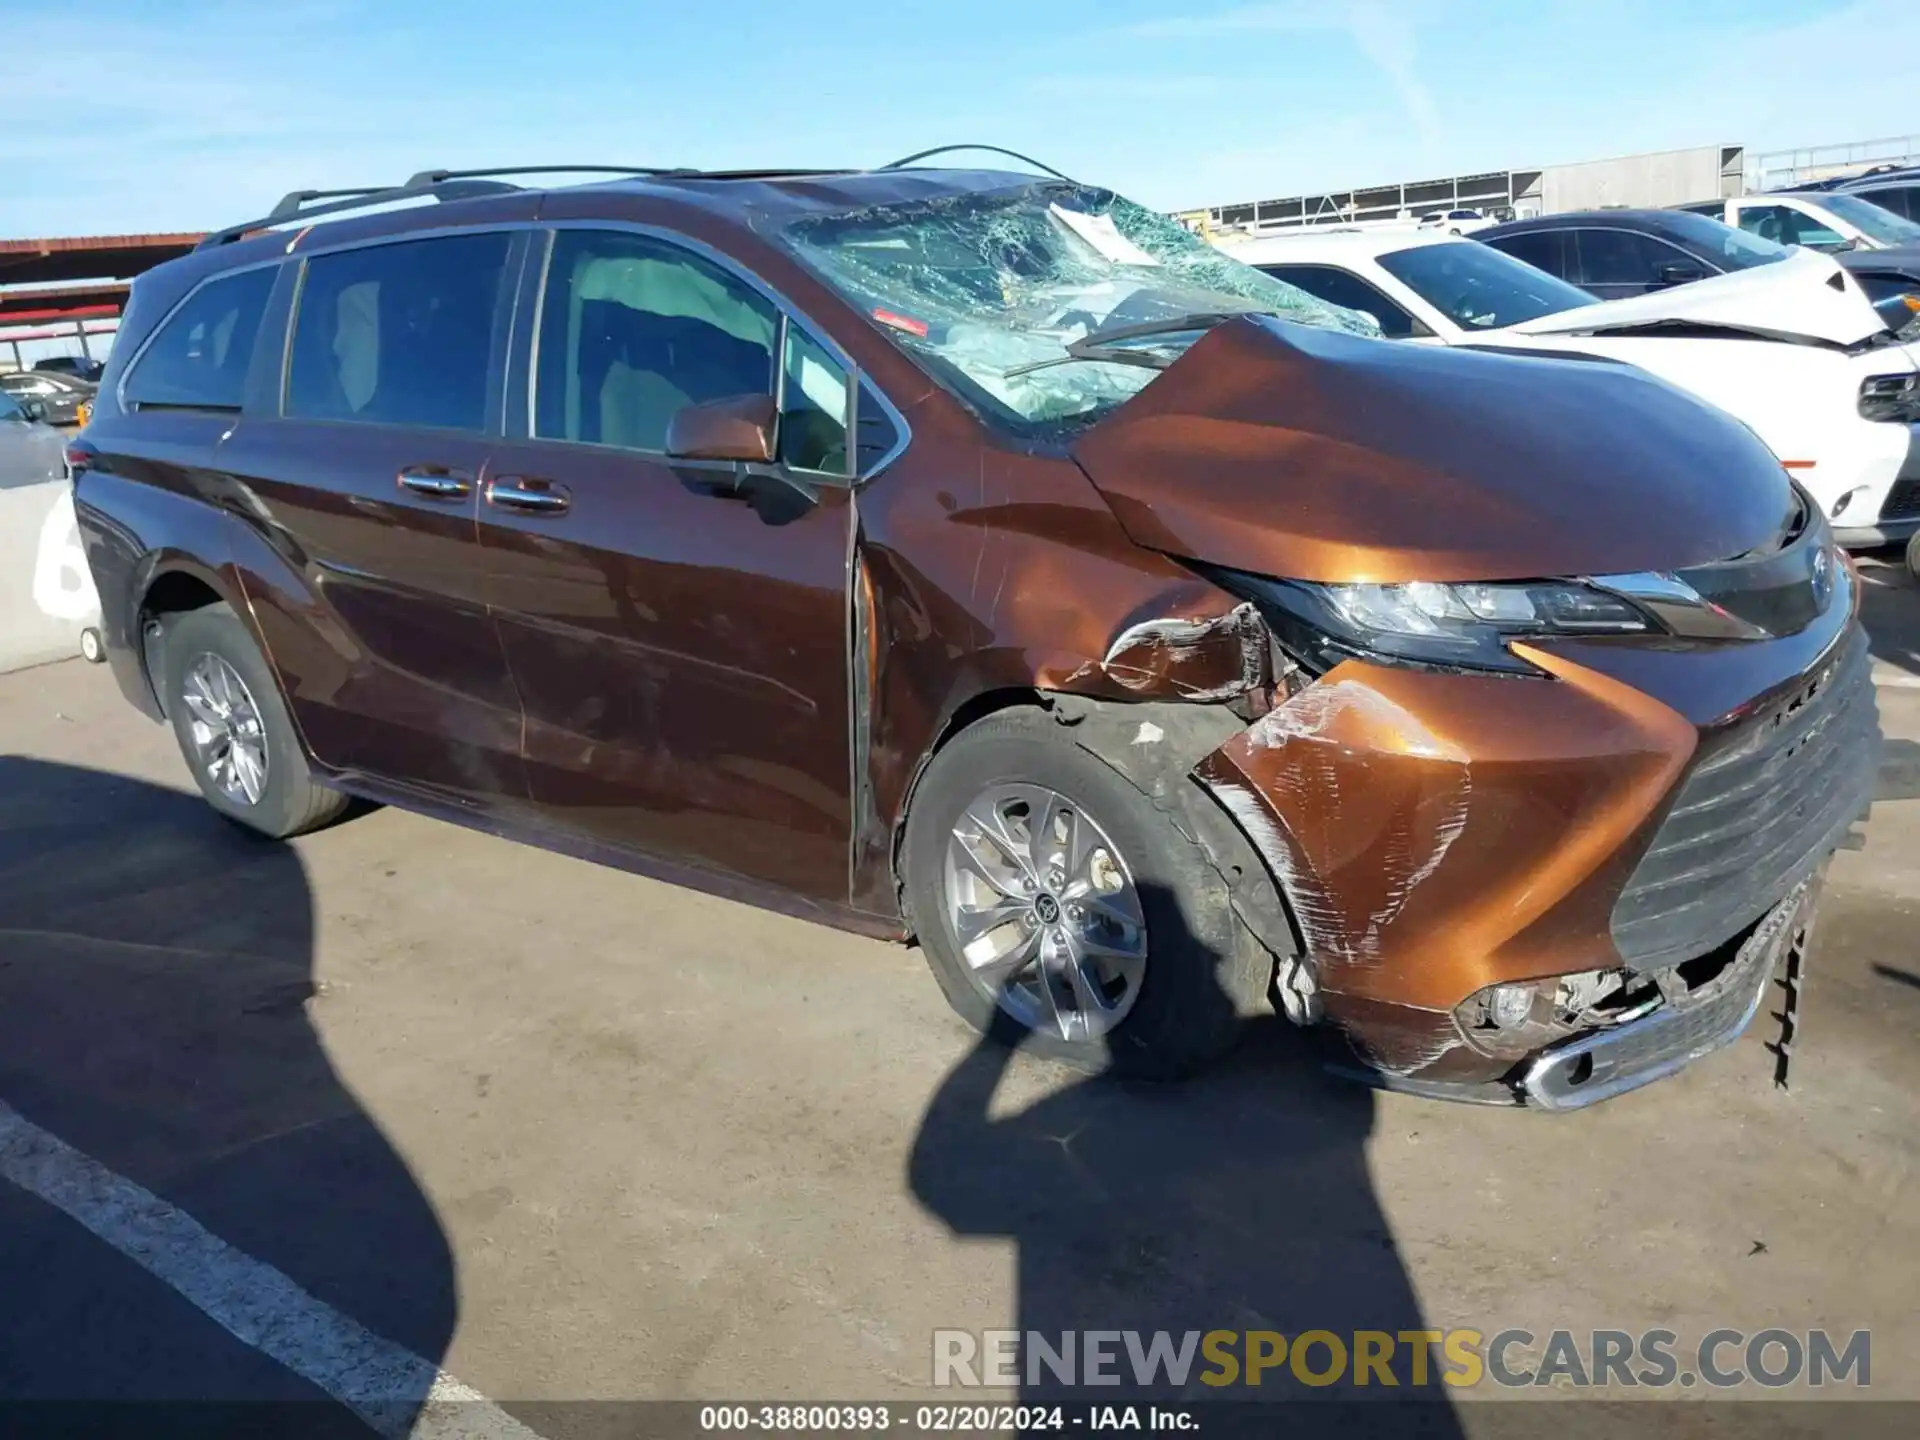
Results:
x,y
41,317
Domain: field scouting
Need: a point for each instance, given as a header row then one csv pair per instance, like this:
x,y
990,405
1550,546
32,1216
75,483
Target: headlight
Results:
x,y
1455,627
1890,397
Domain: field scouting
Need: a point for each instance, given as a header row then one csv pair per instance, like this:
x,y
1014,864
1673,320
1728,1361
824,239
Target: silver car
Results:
x,y
30,451
64,396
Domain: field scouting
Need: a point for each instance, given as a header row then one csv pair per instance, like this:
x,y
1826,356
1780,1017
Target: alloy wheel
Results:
x,y
1045,911
229,739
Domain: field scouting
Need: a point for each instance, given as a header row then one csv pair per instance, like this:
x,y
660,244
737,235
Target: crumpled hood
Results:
x,y
1806,297
1315,455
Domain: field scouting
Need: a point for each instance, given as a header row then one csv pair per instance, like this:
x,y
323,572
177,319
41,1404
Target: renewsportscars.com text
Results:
x,y
1513,1358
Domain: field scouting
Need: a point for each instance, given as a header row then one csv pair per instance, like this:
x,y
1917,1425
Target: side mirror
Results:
x,y
34,410
738,428
1679,272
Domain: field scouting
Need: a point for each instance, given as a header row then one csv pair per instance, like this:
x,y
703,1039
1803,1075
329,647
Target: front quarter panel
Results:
x,y
983,571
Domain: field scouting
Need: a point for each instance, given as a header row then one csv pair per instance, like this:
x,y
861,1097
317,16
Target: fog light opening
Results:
x,y
1580,1071
1840,505
1510,1005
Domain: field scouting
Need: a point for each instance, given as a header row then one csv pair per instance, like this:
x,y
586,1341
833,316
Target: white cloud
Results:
x,y
1385,32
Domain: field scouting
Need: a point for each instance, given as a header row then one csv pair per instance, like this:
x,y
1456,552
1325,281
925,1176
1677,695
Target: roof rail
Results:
x,y
440,184
907,160
295,205
440,177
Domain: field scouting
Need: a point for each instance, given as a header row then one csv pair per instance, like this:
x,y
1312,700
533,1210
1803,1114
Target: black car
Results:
x,y
61,397
1898,193
1619,253
78,366
1891,187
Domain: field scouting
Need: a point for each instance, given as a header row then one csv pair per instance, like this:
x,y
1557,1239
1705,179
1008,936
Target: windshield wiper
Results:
x,y
1111,344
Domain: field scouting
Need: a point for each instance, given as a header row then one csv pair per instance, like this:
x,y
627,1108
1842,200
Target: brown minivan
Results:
x,y
982,558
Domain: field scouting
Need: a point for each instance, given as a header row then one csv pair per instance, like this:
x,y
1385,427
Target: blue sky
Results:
x,y
144,115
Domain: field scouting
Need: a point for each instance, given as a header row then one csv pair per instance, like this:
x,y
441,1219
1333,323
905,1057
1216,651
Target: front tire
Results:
x,y
234,730
1059,907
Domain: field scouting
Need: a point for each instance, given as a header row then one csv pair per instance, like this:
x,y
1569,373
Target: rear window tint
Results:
x,y
1538,248
199,358
399,334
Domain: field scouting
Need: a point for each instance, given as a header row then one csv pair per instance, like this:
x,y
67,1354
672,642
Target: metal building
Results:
x,y
1777,169
1667,177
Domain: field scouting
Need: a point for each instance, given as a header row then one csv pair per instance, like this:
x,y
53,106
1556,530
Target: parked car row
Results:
x,y
61,399
30,450
1879,248
960,555
80,367
1809,367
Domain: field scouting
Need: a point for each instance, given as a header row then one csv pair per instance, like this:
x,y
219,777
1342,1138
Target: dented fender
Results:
x,y
1215,654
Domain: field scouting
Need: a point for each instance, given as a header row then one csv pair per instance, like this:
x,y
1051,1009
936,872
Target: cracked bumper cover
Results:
x,y
1436,834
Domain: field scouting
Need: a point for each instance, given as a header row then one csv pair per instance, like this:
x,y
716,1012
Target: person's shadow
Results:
x,y
156,972
1238,1200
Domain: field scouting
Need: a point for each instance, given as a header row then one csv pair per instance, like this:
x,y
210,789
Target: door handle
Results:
x,y
529,494
435,482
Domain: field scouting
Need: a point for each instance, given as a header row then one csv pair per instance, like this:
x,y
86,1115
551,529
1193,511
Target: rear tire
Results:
x,y
1913,556
1201,970
234,730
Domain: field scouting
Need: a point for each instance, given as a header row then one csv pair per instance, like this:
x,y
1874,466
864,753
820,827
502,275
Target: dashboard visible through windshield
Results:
x,y
1478,287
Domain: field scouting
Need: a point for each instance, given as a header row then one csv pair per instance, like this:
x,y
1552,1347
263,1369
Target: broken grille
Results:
x,y
1755,816
1903,501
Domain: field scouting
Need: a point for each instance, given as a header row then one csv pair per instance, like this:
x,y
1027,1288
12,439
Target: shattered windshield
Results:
x,y
1049,302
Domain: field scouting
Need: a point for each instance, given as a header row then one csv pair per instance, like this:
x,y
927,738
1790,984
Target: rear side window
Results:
x,y
633,329
1903,200
1350,292
1541,249
1617,257
399,334
198,359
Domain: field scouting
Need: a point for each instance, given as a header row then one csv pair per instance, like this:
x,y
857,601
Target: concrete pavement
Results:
x,y
568,1133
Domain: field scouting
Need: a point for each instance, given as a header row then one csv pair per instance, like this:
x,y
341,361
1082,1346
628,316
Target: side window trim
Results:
x,y
861,386
267,380
153,333
850,413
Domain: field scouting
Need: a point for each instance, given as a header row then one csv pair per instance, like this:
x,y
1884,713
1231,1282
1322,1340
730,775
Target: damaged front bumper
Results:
x,y
1612,1061
1629,848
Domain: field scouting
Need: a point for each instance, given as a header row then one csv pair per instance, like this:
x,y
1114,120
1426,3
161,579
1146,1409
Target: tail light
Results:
x,y
80,455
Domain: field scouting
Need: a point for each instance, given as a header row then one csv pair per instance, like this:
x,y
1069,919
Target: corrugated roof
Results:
x,y
57,245
54,259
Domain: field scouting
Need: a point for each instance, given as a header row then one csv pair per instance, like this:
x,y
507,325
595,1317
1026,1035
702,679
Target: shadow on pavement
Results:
x,y
155,969
1899,771
1239,1200
1890,608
